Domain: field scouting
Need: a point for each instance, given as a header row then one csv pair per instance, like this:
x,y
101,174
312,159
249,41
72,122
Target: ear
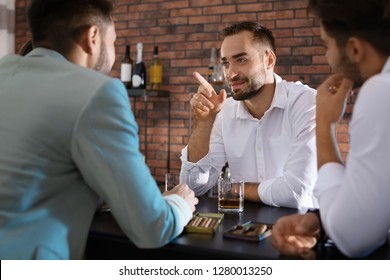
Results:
x,y
90,40
354,49
270,59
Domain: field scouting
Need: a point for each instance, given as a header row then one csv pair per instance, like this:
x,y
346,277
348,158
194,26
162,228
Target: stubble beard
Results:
x,y
253,89
349,70
102,64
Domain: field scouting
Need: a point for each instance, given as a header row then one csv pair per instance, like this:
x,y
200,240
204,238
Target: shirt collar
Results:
x,y
279,100
386,68
280,95
46,52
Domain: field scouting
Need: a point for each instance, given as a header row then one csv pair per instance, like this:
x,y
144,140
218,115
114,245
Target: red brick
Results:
x,y
243,8
342,128
205,3
319,59
311,69
239,17
306,31
276,14
186,12
293,23
310,50
173,5
287,5
218,10
170,38
279,33
204,19
282,51
173,21
294,41
344,147
342,137
300,13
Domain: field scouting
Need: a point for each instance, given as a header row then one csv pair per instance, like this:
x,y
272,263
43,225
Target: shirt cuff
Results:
x,y
330,175
204,164
183,213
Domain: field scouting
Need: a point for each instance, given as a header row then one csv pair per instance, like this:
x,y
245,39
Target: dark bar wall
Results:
x,y
185,31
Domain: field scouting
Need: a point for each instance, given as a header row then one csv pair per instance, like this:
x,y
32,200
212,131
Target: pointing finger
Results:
x,y
202,81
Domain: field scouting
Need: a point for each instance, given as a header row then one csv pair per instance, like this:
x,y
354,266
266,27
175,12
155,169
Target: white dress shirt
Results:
x,y
355,200
278,151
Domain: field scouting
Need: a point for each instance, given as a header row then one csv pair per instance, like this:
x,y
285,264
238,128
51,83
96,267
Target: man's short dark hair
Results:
x,y
368,20
58,24
260,33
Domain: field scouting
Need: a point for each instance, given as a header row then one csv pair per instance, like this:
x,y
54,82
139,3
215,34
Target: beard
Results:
x,y
253,88
349,70
102,65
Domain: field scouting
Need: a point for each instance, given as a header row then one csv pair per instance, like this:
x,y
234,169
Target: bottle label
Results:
x,y
136,80
125,72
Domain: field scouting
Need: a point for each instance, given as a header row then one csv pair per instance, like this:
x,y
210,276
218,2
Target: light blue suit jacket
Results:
x,y
67,136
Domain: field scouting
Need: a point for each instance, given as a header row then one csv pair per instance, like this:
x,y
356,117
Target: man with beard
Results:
x,y
68,136
353,198
265,132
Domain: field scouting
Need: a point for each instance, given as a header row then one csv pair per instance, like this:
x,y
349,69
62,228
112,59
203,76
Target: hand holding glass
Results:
x,y
174,179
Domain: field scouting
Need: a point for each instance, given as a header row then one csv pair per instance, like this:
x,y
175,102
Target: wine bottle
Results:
x,y
126,68
139,75
211,68
155,70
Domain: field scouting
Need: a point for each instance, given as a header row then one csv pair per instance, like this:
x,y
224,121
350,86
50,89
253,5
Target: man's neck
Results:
x,y
372,63
259,104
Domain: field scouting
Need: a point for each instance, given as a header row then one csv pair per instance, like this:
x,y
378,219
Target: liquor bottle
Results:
x,y
210,69
155,70
218,78
126,68
139,74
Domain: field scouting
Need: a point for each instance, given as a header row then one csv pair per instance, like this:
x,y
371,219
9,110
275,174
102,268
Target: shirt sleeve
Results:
x,y
294,188
105,147
354,199
203,175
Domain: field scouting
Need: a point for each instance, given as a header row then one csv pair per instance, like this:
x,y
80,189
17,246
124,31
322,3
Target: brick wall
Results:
x,y
185,31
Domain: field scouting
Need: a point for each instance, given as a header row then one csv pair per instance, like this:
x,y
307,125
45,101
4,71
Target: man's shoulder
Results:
x,y
297,87
297,93
45,60
298,97
87,74
93,76
90,79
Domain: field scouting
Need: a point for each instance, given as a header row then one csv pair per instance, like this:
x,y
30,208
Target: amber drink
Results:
x,y
230,195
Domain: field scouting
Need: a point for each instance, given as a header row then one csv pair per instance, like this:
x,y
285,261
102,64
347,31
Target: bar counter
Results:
x,y
107,241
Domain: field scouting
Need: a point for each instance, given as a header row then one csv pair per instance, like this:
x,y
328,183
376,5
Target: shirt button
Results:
x,y
259,148
261,178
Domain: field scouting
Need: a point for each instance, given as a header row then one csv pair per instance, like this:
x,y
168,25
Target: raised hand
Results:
x,y
331,98
206,103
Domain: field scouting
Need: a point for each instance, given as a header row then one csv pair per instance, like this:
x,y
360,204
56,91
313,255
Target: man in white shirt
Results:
x,y
266,131
353,198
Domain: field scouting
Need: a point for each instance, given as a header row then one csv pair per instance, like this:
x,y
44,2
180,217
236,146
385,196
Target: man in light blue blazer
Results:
x,y
68,137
